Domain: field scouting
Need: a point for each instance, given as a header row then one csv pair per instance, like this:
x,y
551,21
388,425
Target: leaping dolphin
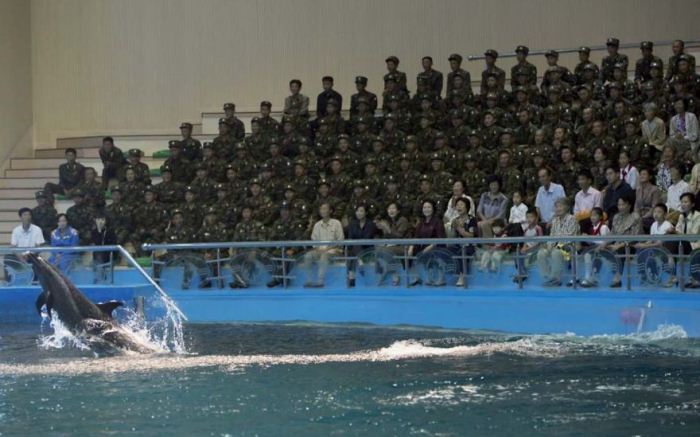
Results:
x,y
77,313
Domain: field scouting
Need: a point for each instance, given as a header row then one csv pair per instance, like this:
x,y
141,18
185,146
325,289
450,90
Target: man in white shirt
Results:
x,y
588,197
547,195
676,189
326,229
25,235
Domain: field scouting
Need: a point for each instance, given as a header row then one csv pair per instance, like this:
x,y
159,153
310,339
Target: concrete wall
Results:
x,y
15,79
144,65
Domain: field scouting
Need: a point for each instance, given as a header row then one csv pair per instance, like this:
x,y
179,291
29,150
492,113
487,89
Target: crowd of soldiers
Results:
x,y
267,184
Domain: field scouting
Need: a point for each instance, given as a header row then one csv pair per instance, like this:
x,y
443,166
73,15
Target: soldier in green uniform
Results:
x,y
642,69
192,209
531,181
613,58
392,64
379,157
584,59
215,166
210,231
530,70
426,192
441,180
112,160
223,143
119,217
296,105
226,210
510,176
268,125
524,134
70,174
81,217
150,218
247,229
678,48
191,148
178,233
304,185
92,189
237,129
640,152
567,170
371,179
359,196
44,215
141,170
178,164
432,77
324,195
260,203
132,189
370,98
456,70
285,228
204,185
473,176
170,193
490,57
407,175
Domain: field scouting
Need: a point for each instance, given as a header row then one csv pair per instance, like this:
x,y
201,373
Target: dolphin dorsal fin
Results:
x,y
108,307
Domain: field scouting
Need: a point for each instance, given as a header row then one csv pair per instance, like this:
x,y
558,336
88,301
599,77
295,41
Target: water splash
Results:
x,y
61,337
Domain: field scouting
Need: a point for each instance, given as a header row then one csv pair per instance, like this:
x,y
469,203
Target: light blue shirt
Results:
x,y
545,200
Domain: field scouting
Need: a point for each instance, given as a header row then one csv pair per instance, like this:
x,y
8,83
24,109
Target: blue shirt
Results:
x,y
545,200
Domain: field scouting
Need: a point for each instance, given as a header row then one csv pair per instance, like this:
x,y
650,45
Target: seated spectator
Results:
x,y
463,226
360,228
493,253
587,198
64,236
694,183
626,222
688,224
550,257
191,147
112,160
103,235
628,172
44,215
661,226
458,192
26,235
326,229
70,175
676,189
547,195
663,173
647,197
616,188
518,215
683,129
81,216
492,206
598,228
429,227
653,128
394,225
532,229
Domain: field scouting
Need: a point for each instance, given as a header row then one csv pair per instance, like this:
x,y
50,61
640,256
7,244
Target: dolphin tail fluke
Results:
x,y
108,307
44,298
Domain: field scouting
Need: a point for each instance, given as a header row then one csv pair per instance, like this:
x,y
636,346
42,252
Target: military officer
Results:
x,y
81,217
178,164
490,57
392,64
236,127
456,70
642,69
119,217
169,192
432,77
191,148
530,71
613,58
224,142
371,99
44,215
192,209
150,218
131,188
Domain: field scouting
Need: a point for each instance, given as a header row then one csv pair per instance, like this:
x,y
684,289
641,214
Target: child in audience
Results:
x,y
532,229
494,253
518,212
598,228
661,226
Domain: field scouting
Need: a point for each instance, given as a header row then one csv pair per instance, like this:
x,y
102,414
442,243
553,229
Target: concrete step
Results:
x,y
45,174
6,216
5,237
86,153
53,163
34,183
17,193
8,226
147,143
16,204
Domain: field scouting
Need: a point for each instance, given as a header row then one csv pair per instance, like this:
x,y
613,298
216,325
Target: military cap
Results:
x,y
469,157
583,87
40,195
390,116
199,166
683,57
554,89
551,53
390,179
300,162
551,110
619,66
491,52
358,183
135,152
288,119
175,212
474,133
210,211
115,189
553,69
77,193
185,125
207,145
392,98
520,71
323,122
519,89
492,74
491,96
404,157
507,131
221,187
255,181
362,99
426,96
255,120
224,121
422,80
631,120
343,137
647,86
333,102
190,188
361,79
377,139
436,157
370,160
165,168
458,74
646,45
228,106
324,182
425,177
455,57
265,166
655,64
589,66
393,59
612,42
239,146
616,85
536,152
522,49
148,189
456,113
391,77
289,187
439,135
265,104
285,205
584,49
362,120
411,139
174,144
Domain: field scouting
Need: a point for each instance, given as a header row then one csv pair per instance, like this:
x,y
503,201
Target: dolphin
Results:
x,y
77,313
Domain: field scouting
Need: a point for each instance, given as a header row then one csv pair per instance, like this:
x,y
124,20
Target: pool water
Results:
x,y
300,379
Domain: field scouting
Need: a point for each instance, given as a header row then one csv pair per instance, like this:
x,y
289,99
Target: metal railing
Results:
x,y
575,49
574,246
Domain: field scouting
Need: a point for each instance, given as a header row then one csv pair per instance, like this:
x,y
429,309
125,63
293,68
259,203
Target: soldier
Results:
x,y
112,160
425,192
248,229
285,228
324,195
236,127
268,125
432,77
359,197
141,170
192,209
392,63
119,217
510,176
169,192
191,148
490,57
44,215
584,58
178,164
678,49
245,166
565,74
131,188
567,170
441,179
81,217
613,58
215,166
370,98
92,189
333,119
529,70
457,70
203,184
407,175
296,105
326,96
260,204
257,143
70,175
338,178
641,154
393,138
304,184
299,207
210,231
473,176
178,233
226,210
223,143
371,178
326,141
642,69
524,134
150,218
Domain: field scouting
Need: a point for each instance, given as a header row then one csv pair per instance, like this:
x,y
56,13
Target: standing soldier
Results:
x,y
613,58
371,98
433,78
44,215
191,148
529,70
237,129
392,64
642,69
224,142
584,57
456,69
112,160
678,48
490,57
268,125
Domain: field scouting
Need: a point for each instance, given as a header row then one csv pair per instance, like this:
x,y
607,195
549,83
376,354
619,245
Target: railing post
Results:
x,y
111,267
627,267
464,265
574,270
406,276
219,276
681,261
284,268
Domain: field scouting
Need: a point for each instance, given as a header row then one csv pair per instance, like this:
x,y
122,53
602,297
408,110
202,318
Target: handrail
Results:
x,y
575,49
419,241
